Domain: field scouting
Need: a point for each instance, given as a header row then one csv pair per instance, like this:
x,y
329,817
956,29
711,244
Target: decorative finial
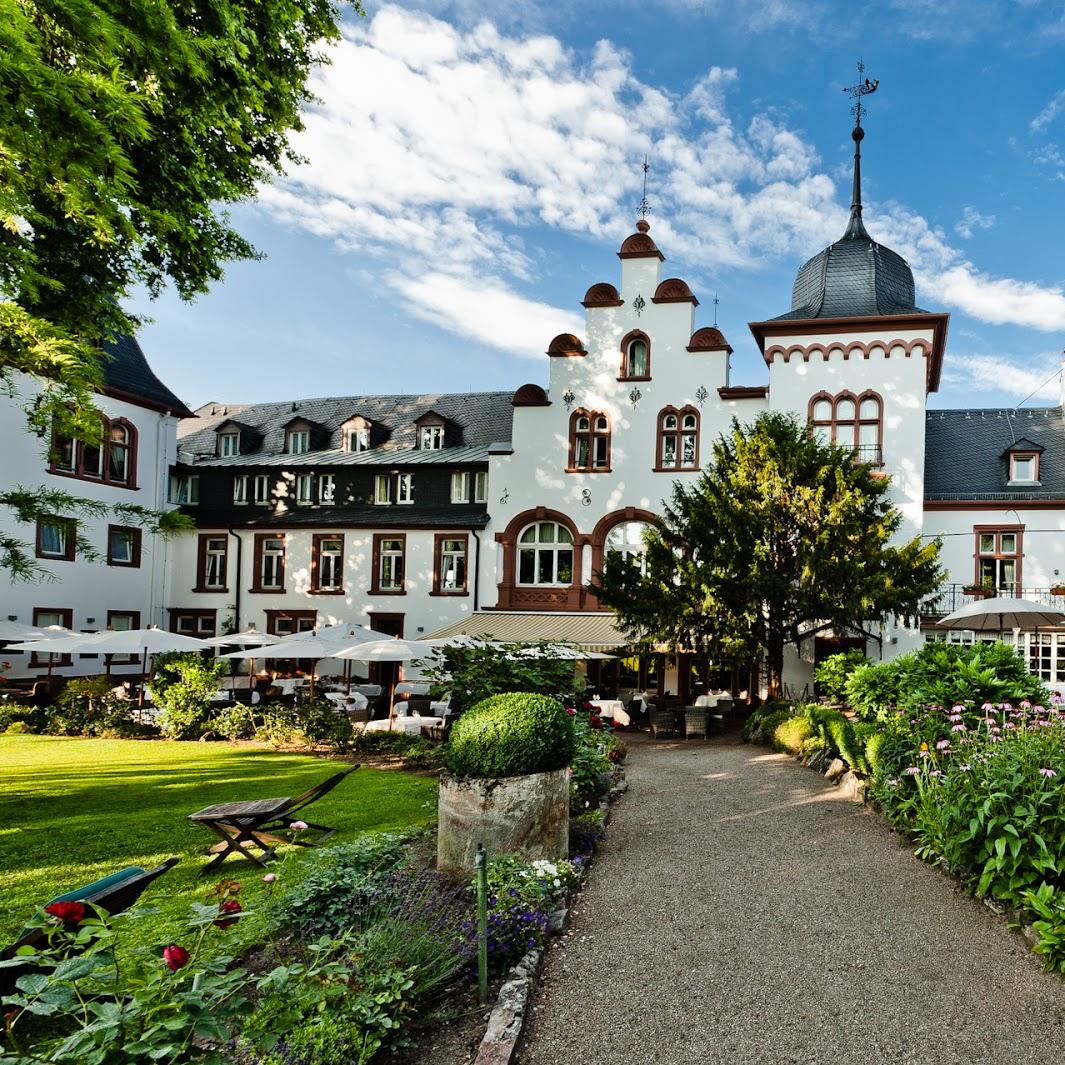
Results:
x,y
716,302
855,227
645,207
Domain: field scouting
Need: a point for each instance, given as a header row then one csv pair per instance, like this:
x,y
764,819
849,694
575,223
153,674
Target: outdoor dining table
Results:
x,y
613,709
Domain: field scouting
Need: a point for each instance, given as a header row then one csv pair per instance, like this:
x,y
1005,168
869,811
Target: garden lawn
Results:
x,y
73,810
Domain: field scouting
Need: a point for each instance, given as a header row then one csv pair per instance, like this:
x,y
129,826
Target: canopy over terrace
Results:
x,y
590,632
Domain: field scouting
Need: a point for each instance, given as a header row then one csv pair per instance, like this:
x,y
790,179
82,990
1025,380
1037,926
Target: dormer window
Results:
x,y
228,445
1024,468
431,437
298,441
357,440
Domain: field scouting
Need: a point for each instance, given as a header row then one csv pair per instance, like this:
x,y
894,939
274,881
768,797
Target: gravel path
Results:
x,y
741,912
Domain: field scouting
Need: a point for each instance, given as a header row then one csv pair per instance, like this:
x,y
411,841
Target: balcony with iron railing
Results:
x,y
951,597
871,453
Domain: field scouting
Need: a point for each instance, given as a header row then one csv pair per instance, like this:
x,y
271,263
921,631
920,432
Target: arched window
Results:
x,y
111,458
626,540
678,439
589,442
119,452
545,555
851,421
635,357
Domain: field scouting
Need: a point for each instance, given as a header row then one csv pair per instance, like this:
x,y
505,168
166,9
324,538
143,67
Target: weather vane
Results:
x,y
864,87
644,205
716,302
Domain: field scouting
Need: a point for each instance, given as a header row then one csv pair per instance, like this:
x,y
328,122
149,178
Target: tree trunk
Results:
x,y
774,654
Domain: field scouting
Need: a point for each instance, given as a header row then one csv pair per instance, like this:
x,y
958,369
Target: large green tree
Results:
x,y
126,128
781,537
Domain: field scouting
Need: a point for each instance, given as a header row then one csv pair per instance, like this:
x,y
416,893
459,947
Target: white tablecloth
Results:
x,y
613,709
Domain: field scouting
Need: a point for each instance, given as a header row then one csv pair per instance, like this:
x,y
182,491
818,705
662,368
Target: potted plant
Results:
x,y
1057,589
508,760
984,590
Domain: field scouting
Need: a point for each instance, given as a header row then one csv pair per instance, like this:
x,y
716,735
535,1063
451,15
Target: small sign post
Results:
x,y
481,865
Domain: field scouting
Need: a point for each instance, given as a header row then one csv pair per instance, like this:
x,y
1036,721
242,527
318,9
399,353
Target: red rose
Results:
x,y
230,909
67,912
571,711
589,706
175,957
595,721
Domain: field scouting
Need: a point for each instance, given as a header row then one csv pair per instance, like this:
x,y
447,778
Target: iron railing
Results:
x,y
953,596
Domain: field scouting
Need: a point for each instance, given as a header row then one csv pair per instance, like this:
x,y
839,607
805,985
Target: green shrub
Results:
x,y
832,674
592,769
1046,905
17,728
323,901
766,724
384,742
234,721
322,721
35,717
182,686
752,726
791,734
472,674
873,691
511,734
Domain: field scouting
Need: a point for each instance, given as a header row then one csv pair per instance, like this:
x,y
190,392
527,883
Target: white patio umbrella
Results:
x,y
315,645
252,637
393,650
998,614
12,630
143,642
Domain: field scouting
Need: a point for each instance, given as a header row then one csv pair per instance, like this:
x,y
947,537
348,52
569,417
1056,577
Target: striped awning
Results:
x,y
592,632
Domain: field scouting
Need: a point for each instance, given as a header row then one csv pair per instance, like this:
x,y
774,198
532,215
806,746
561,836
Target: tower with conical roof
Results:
x,y
856,355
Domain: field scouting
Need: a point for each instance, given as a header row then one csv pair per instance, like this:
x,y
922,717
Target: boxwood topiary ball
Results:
x,y
511,734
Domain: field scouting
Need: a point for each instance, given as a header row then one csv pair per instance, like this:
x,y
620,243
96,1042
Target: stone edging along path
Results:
x,y
507,1020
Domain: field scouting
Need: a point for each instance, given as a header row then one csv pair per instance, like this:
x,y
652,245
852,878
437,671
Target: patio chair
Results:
x,y
114,893
695,721
264,823
663,722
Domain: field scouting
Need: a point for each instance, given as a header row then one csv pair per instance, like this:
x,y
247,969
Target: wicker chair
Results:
x,y
696,721
663,722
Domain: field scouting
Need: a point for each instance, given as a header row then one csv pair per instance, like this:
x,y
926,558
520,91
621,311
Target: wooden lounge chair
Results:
x,y
114,894
263,823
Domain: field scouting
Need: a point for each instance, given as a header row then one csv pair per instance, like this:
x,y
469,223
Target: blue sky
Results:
x,y
473,167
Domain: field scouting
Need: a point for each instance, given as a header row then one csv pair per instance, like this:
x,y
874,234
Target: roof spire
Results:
x,y
644,207
855,227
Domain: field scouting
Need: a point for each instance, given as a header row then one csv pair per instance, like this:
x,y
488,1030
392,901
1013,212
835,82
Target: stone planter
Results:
x,y
526,815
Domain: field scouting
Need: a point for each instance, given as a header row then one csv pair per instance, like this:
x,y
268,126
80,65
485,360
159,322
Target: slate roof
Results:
x,y
447,456
359,516
126,371
485,418
964,453
853,278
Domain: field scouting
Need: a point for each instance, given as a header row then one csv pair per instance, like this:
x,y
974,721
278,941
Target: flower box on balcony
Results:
x,y
979,591
1057,589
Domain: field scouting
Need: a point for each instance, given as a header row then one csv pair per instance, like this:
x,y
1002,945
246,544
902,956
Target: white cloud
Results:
x,y
436,152
485,311
1000,373
972,220
1049,113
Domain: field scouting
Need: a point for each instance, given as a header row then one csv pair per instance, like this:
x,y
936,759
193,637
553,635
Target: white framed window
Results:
x,y
452,565
272,571
382,489
240,490
229,445
431,437
330,568
636,361
357,440
55,538
627,540
262,489
1024,469
390,564
326,489
545,555
184,489
405,488
480,486
299,441
460,487
214,562
304,488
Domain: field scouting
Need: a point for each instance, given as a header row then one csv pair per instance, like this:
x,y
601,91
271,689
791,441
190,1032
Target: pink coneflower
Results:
x,y
1046,771
935,773
942,745
954,717
988,706
1025,704
911,771
965,767
957,708
959,727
